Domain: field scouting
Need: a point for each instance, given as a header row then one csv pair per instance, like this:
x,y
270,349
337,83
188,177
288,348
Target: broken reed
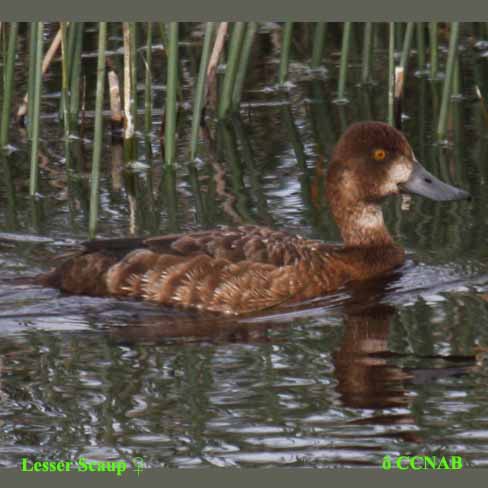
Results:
x,y
130,93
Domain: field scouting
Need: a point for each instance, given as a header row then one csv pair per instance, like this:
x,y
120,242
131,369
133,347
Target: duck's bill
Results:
x,y
425,184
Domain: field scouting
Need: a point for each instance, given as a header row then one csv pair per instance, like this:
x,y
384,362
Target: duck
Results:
x,y
248,268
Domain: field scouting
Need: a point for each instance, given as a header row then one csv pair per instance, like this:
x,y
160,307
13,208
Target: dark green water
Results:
x,y
389,368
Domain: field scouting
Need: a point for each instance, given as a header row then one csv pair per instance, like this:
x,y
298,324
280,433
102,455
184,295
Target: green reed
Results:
x,y
65,66
456,82
285,52
148,82
163,34
68,33
64,80
447,87
318,44
98,139
171,91
31,74
367,51
391,74
9,64
198,96
433,50
133,69
70,43
36,107
165,40
420,46
243,64
346,41
75,72
236,38
407,43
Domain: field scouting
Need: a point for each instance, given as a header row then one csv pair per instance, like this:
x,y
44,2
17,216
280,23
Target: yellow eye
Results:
x,y
379,154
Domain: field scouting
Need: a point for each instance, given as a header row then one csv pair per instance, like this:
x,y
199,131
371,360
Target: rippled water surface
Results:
x,y
391,367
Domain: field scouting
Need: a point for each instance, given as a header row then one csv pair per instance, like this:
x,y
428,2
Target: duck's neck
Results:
x,y
361,224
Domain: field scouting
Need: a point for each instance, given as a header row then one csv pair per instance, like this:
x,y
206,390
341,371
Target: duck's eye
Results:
x,y
379,154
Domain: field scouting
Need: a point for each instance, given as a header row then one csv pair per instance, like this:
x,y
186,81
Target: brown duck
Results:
x,y
251,268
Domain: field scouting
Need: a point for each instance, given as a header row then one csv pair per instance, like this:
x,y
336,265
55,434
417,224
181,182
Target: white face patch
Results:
x,y
399,173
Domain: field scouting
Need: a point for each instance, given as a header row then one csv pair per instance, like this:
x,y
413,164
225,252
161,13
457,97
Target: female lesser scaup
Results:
x,y
251,268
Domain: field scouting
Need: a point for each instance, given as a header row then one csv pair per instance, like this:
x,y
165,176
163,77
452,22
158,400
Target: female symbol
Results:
x,y
138,462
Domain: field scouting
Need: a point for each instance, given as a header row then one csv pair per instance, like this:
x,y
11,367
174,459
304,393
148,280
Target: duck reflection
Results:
x,y
365,378
368,372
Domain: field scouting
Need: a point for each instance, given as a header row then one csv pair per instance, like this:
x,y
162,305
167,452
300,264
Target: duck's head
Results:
x,y
371,161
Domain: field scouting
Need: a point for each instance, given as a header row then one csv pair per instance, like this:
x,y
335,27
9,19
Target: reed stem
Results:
x,y
285,52
133,70
147,87
243,65
70,45
346,41
97,147
456,82
199,95
164,37
31,75
171,91
236,38
9,65
36,105
446,90
407,42
391,74
420,47
64,89
433,50
366,65
318,44
46,62
75,75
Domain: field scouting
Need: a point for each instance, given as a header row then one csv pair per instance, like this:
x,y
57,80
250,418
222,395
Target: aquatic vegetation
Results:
x,y
213,86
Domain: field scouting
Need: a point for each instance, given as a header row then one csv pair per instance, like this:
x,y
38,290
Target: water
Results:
x,y
392,367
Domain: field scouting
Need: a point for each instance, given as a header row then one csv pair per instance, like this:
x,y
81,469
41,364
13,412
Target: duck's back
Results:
x,y
230,270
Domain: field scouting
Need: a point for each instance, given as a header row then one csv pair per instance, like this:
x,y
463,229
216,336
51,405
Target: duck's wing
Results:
x,y
233,270
245,243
